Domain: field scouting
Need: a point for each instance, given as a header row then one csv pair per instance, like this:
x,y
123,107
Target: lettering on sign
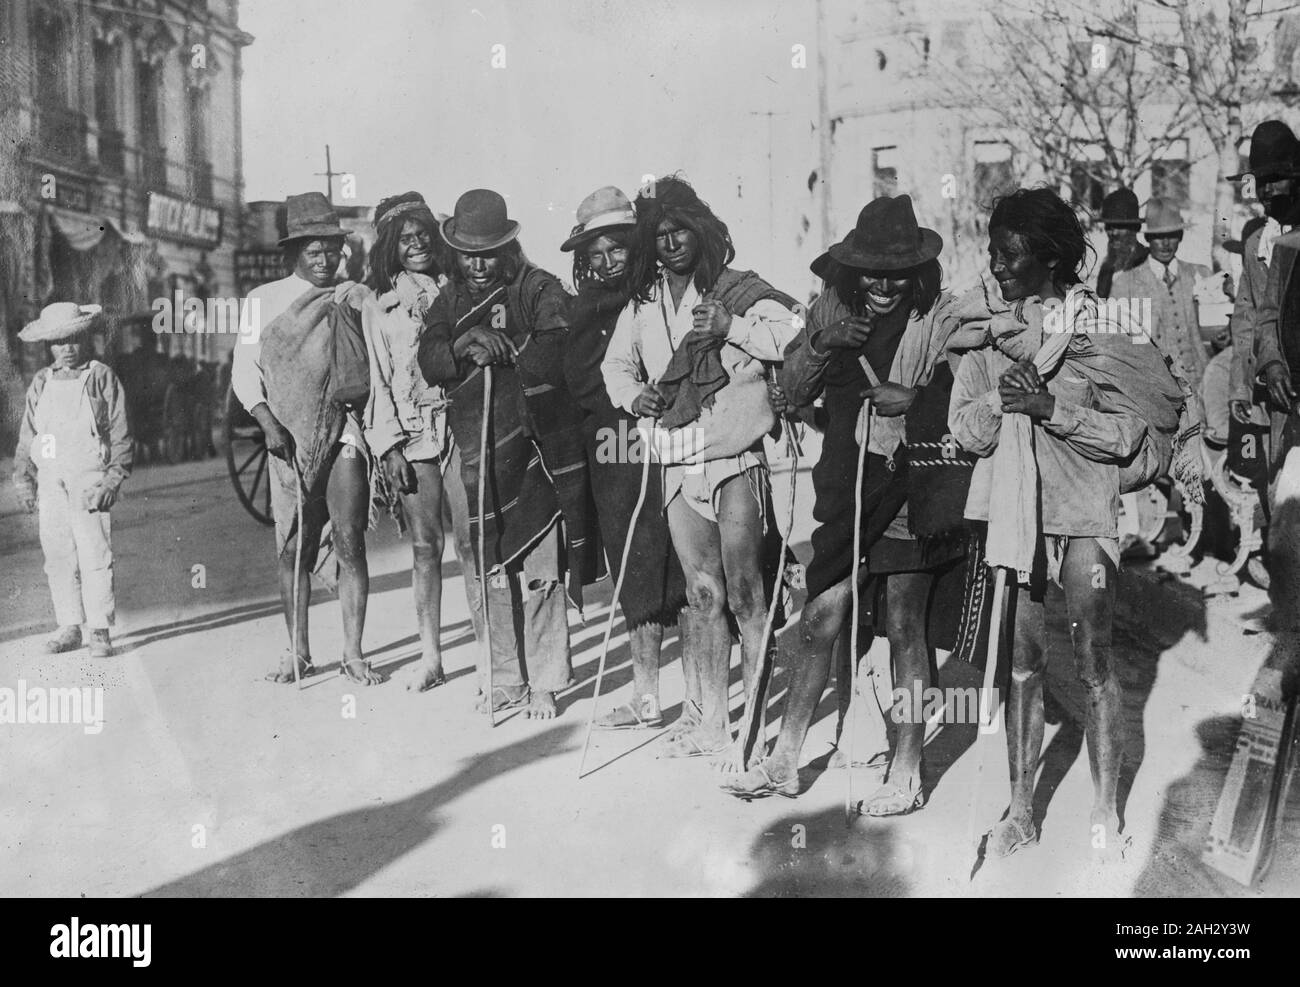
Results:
x,y
181,219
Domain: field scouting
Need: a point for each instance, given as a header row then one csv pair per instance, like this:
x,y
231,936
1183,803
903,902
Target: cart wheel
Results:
x,y
246,461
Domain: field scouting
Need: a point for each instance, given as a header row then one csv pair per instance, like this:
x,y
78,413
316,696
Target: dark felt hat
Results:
x,y
479,223
309,217
887,238
1274,153
1120,208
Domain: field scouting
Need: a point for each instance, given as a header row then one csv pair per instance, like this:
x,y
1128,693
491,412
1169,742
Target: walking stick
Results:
x,y
618,588
757,697
854,610
297,568
482,539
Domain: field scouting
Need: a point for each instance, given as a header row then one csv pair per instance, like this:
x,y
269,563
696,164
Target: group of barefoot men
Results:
x,y
998,426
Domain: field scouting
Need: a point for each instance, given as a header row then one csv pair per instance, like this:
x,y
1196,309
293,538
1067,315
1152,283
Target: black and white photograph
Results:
x,y
656,449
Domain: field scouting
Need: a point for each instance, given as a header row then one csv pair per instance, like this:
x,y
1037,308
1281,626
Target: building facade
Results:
x,y
121,176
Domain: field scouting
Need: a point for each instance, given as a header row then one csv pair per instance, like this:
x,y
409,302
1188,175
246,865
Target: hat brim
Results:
x,y
321,231
1271,172
1163,230
448,231
591,233
39,332
848,255
1122,224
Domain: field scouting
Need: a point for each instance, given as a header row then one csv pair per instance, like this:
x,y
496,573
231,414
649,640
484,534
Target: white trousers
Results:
x,y
78,550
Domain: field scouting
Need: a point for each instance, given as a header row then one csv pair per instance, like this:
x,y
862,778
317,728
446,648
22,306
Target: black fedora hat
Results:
x,y
479,222
887,238
1120,209
1274,153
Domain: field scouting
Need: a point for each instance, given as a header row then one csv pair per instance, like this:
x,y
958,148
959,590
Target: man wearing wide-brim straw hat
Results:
x,y
74,452
280,373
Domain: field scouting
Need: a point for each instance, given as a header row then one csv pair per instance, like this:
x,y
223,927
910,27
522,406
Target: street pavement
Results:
x,y
207,780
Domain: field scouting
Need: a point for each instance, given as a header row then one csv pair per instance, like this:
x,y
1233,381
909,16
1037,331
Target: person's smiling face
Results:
x,y
318,260
677,246
415,247
480,271
607,259
1019,273
884,291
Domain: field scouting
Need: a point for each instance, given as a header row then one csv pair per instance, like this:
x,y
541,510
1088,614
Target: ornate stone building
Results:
x,y
121,175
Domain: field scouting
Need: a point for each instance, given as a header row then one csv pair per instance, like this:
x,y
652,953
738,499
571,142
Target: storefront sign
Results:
x,y
254,267
180,219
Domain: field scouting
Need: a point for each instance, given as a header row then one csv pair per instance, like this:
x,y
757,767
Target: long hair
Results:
x,y
582,272
673,198
927,282
1051,229
385,256
512,262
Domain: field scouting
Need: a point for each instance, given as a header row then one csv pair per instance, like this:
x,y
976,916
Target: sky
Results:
x,y
584,93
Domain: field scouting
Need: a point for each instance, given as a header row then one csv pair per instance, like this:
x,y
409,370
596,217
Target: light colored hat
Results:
x,y
1162,217
606,208
61,320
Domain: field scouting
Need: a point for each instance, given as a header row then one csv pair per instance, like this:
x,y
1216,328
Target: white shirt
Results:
x,y
646,337
273,299
1158,269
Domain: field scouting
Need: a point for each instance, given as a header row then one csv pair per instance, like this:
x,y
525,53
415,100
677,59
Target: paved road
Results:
x,y
206,780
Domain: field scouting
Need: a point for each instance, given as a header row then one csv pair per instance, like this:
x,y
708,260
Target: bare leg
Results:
x,y
699,548
424,510
347,494
1025,723
740,527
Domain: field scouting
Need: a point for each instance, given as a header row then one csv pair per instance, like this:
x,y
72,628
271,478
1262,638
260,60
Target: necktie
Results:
x,y
1170,277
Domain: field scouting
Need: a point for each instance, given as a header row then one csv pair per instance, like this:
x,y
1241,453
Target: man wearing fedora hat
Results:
x,y
1121,220
1170,285
74,452
318,452
501,311
1274,166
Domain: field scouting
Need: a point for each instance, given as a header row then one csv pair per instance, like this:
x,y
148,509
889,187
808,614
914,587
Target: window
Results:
x,y
1170,174
146,102
1086,190
993,172
884,171
50,41
106,84
198,124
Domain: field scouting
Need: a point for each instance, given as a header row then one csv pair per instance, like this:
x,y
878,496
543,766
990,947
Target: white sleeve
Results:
x,y
622,367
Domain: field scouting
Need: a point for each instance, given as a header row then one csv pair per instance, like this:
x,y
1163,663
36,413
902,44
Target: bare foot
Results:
x,y
840,758
427,676
727,764
1009,835
542,706
358,670
1109,846
283,673
693,743
764,778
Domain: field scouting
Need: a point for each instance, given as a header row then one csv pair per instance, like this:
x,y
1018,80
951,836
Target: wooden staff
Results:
x,y
482,537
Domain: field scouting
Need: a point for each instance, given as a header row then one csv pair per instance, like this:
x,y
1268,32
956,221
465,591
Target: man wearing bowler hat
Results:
x,y
1121,220
1274,168
280,371
501,312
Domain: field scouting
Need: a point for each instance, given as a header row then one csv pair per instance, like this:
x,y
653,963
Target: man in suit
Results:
x,y
1121,220
1274,167
1170,284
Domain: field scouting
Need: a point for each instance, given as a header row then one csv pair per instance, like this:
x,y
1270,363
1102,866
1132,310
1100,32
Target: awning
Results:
x,y
83,231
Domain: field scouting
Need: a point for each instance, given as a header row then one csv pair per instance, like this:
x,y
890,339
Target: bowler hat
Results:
x,y
606,208
61,320
1162,218
479,223
887,238
1274,153
309,216
1120,209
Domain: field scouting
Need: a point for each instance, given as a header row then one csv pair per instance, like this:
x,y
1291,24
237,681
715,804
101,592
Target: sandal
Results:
x,y
644,715
366,676
687,744
1008,836
508,701
284,673
760,784
894,799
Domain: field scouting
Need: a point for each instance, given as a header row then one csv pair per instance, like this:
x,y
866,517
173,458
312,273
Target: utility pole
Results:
x,y
771,186
328,175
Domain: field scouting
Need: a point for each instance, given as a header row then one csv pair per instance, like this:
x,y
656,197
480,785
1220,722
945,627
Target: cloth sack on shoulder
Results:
x,y
349,379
